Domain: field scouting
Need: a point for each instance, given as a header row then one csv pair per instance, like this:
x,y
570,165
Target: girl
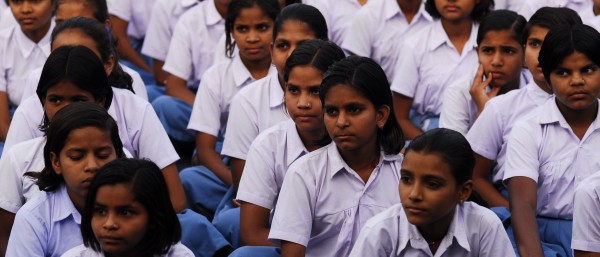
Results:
x,y
490,132
585,218
128,213
79,140
542,175
250,22
24,47
500,70
433,218
328,194
420,77
275,149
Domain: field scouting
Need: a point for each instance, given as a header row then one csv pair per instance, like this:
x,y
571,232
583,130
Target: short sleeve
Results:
x,y
11,185
158,35
3,75
586,222
295,207
359,39
258,184
486,136
28,236
242,118
206,112
179,57
152,140
120,8
455,109
406,77
374,240
521,154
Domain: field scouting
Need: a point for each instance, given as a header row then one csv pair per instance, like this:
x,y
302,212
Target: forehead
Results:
x,y
538,32
499,37
341,94
427,164
294,30
115,195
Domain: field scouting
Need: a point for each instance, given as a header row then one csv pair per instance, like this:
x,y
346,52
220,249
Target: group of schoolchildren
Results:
x,y
323,128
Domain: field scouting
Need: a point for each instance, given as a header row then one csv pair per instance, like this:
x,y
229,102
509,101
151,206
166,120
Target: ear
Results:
x,y
383,113
465,191
109,65
55,163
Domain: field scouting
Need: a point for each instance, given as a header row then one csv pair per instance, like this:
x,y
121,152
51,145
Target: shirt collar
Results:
x,y
275,91
26,46
64,206
536,94
188,3
212,15
337,164
241,74
439,37
552,114
294,146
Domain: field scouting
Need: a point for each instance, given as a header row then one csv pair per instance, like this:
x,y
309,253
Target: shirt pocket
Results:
x,y
549,175
346,234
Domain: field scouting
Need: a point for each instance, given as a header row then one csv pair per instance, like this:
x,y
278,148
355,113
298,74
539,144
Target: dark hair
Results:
x,y
564,41
480,10
74,116
100,8
502,20
319,53
304,13
269,7
368,78
150,189
95,30
78,65
550,17
451,146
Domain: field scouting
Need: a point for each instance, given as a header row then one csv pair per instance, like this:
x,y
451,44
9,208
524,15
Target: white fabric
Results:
x,y
421,75
165,15
140,130
7,19
589,18
513,5
474,231
339,15
489,134
459,111
323,203
529,7
220,54
192,47
177,250
135,12
543,147
379,28
18,56
586,222
270,155
253,109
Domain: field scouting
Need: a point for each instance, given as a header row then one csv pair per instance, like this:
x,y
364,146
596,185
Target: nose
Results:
x,y
416,193
110,223
342,120
91,164
26,7
497,60
304,102
252,36
577,79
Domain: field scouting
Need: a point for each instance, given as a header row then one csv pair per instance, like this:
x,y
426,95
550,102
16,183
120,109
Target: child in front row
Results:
x,y
128,212
586,222
556,146
433,218
328,194
274,150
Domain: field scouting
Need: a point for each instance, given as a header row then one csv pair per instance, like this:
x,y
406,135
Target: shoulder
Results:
x,y
127,98
312,164
39,207
81,251
254,90
386,219
274,134
179,250
590,186
481,216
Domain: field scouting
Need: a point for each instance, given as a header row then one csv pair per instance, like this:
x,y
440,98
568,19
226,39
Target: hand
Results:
x,y
479,87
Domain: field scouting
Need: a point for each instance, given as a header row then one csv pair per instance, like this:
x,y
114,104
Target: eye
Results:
x,y
126,212
433,184
487,50
510,51
80,99
330,111
75,157
293,90
262,27
405,179
560,72
55,100
282,46
314,91
590,69
241,28
99,210
534,43
354,109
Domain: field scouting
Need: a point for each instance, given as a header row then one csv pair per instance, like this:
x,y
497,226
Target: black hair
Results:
x,y
368,78
565,40
550,17
304,13
74,116
481,9
99,6
449,145
149,189
269,7
319,53
502,20
95,30
77,65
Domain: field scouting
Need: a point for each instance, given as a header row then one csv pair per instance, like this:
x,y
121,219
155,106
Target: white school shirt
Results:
x,y
7,19
165,15
339,15
196,34
323,203
140,129
589,18
489,134
48,225
253,109
18,56
33,79
377,30
421,75
543,147
586,222
459,111
135,12
529,7
177,250
474,231
211,106
270,155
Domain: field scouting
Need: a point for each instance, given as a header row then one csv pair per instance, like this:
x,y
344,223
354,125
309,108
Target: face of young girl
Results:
x,y
86,150
76,37
302,98
32,15
291,34
502,55
428,190
252,31
72,8
63,94
532,51
576,83
351,119
455,10
119,222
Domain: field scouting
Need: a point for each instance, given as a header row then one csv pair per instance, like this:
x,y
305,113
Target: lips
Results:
x,y
253,50
578,94
109,240
414,210
497,74
451,8
26,21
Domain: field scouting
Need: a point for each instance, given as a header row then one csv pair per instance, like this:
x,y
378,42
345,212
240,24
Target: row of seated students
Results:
x,y
275,76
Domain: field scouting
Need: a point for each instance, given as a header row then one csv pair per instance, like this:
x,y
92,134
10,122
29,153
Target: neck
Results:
x,y
409,8
37,35
221,9
459,29
579,119
543,85
434,233
258,69
281,81
596,10
512,85
362,160
312,139
78,202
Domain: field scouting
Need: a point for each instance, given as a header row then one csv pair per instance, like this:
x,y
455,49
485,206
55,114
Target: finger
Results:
x,y
488,80
493,92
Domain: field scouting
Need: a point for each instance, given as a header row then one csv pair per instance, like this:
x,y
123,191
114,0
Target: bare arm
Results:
x,y
124,48
289,249
237,168
523,204
207,156
177,87
176,192
160,76
6,222
483,185
4,116
254,225
586,254
402,105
